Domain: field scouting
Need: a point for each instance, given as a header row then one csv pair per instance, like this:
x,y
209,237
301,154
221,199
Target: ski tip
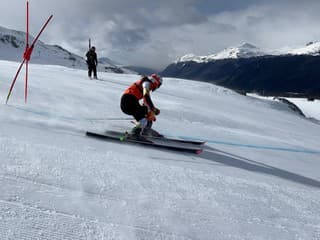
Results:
x,y
124,136
199,151
199,142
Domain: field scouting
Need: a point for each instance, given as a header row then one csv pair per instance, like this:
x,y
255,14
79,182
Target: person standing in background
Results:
x,y
92,61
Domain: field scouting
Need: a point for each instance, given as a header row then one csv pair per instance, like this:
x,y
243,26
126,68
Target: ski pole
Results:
x,y
108,119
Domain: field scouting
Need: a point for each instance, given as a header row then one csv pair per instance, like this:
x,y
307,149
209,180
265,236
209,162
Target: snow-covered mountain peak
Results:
x,y
244,50
311,48
191,57
12,39
247,45
12,47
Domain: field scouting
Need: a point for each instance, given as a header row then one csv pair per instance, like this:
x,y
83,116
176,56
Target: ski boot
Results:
x,y
136,132
147,129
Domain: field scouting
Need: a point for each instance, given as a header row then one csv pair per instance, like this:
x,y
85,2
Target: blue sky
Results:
x,y
155,33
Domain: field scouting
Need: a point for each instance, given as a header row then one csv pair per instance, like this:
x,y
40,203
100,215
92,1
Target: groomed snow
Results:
x,y
310,109
258,177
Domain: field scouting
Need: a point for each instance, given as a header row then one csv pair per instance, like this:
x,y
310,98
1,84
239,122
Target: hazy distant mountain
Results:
x,y
247,68
12,46
105,60
142,70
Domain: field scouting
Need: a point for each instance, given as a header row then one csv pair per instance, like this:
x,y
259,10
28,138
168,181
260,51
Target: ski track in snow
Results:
x,y
56,183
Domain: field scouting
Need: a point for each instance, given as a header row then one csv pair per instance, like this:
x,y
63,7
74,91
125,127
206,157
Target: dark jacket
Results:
x,y
92,58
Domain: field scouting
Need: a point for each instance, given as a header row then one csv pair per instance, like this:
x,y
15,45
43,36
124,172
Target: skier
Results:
x,y
92,62
145,113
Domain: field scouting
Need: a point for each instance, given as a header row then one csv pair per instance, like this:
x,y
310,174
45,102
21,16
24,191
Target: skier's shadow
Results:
x,y
232,160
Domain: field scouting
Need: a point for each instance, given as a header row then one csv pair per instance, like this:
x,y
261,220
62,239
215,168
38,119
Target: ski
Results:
x,y
157,143
155,136
194,142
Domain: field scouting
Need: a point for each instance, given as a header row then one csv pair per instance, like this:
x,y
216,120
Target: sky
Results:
x,y
156,33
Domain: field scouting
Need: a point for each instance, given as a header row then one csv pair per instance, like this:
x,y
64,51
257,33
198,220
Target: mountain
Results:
x,y
248,69
105,60
134,69
142,70
311,48
258,177
107,65
244,50
12,46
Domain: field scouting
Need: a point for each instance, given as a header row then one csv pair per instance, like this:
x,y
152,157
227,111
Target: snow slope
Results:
x,y
310,109
258,177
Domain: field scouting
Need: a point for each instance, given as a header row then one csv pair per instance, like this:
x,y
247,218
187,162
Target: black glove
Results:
x,y
156,111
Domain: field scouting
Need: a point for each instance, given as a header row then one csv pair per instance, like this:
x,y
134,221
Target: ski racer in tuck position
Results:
x,y
144,113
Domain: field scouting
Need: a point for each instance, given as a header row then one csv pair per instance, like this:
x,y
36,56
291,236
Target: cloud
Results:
x,y
155,33
129,39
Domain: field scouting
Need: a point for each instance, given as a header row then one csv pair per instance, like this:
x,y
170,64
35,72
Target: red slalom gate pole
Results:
x,y
27,40
14,80
27,62
27,55
43,27
26,83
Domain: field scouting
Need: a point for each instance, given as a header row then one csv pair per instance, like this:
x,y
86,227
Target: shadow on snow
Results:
x,y
225,158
